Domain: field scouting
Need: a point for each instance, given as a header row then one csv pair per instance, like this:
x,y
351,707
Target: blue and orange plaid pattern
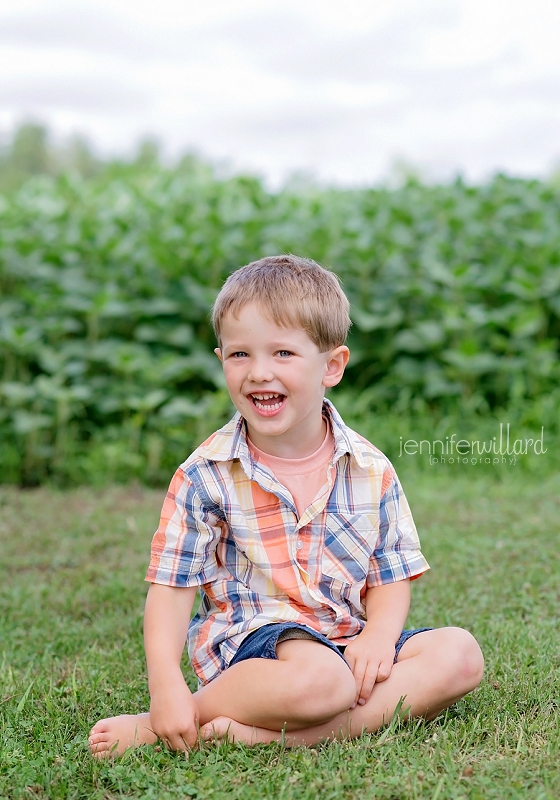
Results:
x,y
229,527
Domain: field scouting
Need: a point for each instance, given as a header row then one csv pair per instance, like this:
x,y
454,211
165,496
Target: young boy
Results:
x,y
300,539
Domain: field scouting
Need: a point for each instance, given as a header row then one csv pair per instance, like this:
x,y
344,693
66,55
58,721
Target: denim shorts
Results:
x,y
262,642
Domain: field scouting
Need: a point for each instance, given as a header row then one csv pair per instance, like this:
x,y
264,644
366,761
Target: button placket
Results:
x,y
303,547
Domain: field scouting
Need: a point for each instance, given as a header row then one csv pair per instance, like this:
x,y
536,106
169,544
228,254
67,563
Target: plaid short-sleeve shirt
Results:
x,y
229,527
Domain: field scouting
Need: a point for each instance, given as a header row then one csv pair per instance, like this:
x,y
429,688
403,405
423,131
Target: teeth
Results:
x,y
273,407
259,399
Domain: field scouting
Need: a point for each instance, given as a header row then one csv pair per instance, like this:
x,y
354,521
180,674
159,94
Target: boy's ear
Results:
x,y
219,354
336,364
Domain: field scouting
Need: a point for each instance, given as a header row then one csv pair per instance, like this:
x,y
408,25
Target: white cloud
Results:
x,y
343,90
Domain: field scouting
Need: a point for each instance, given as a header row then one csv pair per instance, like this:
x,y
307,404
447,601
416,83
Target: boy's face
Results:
x,y
276,378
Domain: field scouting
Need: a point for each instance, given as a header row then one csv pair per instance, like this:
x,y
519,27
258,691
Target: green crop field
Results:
x,y
106,364
71,601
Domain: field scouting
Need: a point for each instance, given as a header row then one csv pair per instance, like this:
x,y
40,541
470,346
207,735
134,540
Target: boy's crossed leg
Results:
x,y
309,684
306,696
434,669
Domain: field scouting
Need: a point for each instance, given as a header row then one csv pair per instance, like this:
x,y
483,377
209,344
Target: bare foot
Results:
x,y
112,736
222,728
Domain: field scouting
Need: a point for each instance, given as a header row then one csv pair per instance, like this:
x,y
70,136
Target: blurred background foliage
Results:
x,y
108,271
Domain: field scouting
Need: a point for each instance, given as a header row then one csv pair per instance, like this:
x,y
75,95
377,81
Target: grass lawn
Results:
x,y
71,600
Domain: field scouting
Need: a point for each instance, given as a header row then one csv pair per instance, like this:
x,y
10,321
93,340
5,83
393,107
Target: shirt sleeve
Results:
x,y
397,553
183,549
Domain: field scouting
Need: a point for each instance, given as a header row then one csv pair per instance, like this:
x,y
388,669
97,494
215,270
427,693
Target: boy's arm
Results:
x,y
370,655
173,712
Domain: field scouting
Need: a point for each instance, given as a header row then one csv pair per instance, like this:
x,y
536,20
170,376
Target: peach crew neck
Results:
x,y
303,477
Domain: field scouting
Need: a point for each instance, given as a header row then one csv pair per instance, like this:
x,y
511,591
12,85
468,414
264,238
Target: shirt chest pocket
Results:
x,y
349,543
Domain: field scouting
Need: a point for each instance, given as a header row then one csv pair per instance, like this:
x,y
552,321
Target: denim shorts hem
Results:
x,y
262,642
404,637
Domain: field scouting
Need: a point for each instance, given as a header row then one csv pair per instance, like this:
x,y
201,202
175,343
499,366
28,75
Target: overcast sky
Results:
x,y
341,90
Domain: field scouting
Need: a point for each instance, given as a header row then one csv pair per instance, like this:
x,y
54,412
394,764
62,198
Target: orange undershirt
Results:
x,y
303,477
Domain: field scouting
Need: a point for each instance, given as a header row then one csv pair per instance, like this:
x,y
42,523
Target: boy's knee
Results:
x,y
464,659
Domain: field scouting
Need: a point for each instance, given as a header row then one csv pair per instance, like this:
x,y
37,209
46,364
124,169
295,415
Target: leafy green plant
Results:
x,y
106,363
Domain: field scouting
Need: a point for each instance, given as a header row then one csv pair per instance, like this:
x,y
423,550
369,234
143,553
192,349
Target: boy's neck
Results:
x,y
291,446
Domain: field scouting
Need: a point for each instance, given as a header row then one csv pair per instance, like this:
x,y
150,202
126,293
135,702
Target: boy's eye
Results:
x,y
239,354
284,353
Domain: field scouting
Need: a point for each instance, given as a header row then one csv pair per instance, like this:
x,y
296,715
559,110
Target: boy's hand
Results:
x,y
371,654
370,657
174,715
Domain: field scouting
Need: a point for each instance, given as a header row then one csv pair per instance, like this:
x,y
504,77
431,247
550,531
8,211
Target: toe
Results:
x,y
207,731
97,748
217,728
99,727
98,734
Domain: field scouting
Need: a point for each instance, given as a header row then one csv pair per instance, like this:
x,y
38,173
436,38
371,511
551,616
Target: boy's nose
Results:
x,y
260,372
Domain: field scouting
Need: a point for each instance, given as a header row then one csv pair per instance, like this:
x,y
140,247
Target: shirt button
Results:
x,y
299,544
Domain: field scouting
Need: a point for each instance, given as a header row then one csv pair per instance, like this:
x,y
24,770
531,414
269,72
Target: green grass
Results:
x,y
71,601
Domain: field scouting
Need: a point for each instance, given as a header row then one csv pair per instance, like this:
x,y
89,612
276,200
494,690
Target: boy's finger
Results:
x,y
175,743
359,674
359,683
367,685
384,671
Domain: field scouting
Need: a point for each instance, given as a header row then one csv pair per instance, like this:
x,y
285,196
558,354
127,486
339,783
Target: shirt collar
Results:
x,y
230,442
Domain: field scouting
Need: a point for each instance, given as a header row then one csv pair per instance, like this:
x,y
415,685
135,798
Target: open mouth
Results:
x,y
267,402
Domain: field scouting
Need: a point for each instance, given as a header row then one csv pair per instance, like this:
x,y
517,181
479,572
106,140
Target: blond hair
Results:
x,y
295,292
